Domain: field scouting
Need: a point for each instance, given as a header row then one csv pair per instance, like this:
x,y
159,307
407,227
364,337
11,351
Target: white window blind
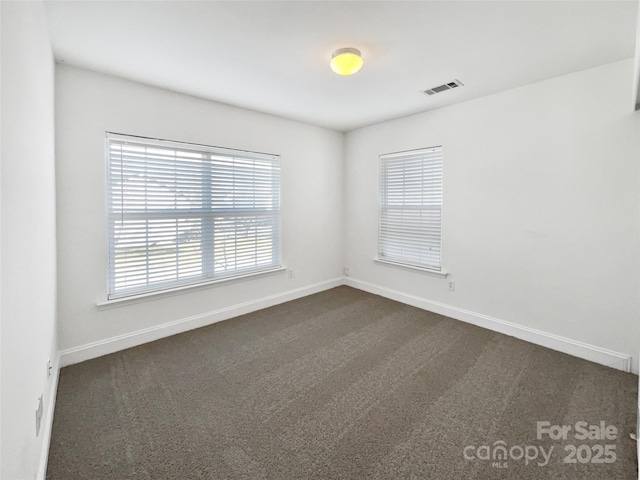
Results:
x,y
410,228
182,214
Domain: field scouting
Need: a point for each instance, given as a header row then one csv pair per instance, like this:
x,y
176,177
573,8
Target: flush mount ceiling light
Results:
x,y
346,61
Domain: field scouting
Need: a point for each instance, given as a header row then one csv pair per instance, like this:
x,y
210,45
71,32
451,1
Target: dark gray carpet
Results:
x,y
339,385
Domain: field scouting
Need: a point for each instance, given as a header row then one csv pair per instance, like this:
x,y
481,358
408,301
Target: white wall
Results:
x,y
87,105
28,237
541,206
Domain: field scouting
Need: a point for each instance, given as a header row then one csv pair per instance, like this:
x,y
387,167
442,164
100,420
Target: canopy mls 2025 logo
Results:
x,y
599,450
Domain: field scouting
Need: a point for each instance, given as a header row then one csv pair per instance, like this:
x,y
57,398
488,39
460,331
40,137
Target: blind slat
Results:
x,y
410,225
183,213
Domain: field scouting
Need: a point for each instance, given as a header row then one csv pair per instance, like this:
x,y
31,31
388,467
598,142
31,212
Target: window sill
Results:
x,y
426,271
143,297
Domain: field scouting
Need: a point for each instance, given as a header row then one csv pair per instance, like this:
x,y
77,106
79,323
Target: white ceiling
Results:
x,y
273,56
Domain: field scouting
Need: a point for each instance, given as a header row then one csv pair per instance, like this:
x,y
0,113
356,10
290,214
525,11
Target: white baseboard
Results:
x,y
128,340
47,419
575,348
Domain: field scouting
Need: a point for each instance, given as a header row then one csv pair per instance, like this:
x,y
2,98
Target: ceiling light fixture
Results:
x,y
346,61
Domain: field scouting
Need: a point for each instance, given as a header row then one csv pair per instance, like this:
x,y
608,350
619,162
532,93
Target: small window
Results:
x,y
411,208
182,214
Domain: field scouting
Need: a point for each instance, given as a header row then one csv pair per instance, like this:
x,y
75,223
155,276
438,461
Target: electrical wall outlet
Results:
x,y
39,412
290,272
346,271
452,285
49,368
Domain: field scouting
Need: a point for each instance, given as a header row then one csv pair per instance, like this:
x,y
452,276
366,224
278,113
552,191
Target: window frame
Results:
x,y
208,275
435,269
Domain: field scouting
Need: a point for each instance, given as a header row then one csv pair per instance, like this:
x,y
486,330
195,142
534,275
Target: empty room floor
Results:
x,y
342,384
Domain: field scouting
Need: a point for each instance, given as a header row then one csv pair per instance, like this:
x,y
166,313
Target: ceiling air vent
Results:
x,y
442,88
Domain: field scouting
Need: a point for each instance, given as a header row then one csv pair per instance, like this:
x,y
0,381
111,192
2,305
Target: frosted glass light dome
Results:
x,y
346,61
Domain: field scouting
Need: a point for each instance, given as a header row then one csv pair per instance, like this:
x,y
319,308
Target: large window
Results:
x,y
182,214
411,208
